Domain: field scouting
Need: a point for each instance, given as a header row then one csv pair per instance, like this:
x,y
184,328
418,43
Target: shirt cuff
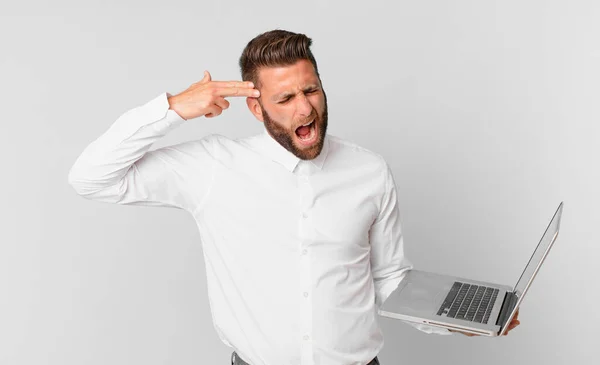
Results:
x,y
148,114
160,107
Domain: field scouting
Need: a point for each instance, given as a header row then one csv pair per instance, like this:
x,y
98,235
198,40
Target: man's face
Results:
x,y
290,97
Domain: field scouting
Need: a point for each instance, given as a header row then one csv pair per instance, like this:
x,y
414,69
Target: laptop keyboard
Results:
x,y
469,302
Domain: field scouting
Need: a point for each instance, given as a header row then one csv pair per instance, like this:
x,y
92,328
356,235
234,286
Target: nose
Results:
x,y
304,107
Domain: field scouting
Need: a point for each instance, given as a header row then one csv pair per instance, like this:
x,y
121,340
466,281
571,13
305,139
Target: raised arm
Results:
x,y
119,168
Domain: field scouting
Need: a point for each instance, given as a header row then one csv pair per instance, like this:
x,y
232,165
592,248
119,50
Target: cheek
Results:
x,y
286,119
319,104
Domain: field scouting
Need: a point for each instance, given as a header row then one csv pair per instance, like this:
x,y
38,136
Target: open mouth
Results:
x,y
307,133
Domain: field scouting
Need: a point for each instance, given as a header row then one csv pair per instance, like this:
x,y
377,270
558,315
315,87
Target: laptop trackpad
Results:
x,y
423,297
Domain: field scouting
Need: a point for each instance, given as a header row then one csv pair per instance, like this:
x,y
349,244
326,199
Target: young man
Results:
x,y
300,230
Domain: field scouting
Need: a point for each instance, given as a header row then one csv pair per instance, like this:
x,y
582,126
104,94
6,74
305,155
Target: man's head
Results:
x,y
282,66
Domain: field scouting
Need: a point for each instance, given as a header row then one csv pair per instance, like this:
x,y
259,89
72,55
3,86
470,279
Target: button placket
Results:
x,y
304,232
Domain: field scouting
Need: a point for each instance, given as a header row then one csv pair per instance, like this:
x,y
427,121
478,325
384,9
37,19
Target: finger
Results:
x,y
233,83
222,103
510,328
213,111
238,91
212,115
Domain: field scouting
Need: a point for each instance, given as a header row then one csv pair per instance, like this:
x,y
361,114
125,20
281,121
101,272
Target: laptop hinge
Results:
x,y
510,300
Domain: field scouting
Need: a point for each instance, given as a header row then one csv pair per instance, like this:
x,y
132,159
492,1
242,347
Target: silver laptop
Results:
x,y
464,304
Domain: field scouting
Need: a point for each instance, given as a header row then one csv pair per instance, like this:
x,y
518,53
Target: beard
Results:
x,y
286,137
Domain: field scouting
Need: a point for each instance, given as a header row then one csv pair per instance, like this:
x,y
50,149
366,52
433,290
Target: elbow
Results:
x,y
100,190
83,185
74,179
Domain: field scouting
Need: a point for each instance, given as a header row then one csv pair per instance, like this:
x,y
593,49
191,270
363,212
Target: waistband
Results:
x,y
236,360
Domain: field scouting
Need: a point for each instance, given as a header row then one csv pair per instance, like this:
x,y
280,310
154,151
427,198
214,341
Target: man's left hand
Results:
x,y
514,323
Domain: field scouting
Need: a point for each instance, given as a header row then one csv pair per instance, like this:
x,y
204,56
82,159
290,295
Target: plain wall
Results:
x,y
487,112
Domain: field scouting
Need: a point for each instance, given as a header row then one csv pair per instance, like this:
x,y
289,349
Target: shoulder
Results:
x,y
211,142
356,153
191,150
371,164
221,147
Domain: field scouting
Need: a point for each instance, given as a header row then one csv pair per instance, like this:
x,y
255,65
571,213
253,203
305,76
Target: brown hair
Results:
x,y
274,48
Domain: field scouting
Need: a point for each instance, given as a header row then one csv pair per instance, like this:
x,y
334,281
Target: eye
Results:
x,y
284,101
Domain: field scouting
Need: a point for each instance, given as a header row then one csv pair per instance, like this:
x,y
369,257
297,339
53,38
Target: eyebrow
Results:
x,y
287,93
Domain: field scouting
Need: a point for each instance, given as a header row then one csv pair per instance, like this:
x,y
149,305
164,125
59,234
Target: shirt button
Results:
x,y
304,251
305,294
306,337
304,215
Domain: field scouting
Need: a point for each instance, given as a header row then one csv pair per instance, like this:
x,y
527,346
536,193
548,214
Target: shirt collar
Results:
x,y
279,154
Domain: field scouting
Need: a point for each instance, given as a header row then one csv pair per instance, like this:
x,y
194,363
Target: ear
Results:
x,y
255,108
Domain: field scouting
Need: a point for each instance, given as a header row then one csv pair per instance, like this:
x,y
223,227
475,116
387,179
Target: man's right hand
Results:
x,y
207,97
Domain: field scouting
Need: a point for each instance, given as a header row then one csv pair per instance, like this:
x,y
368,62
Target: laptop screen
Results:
x,y
540,252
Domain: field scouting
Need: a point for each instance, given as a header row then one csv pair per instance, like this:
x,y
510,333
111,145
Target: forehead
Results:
x,y
281,79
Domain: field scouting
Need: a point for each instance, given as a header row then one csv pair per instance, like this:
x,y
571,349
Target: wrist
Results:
x,y
172,99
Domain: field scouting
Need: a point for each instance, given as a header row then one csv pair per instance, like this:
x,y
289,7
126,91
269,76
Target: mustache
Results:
x,y
314,117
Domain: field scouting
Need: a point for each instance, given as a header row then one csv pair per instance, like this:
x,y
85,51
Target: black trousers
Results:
x,y
236,360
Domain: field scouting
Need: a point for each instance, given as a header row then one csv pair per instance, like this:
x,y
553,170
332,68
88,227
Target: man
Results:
x,y
300,230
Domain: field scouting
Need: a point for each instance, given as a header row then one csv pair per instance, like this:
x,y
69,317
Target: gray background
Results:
x,y
487,112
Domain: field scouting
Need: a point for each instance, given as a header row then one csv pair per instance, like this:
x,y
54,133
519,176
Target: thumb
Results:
x,y
206,77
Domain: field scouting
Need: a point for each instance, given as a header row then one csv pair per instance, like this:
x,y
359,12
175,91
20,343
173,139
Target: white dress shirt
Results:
x,y
299,254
